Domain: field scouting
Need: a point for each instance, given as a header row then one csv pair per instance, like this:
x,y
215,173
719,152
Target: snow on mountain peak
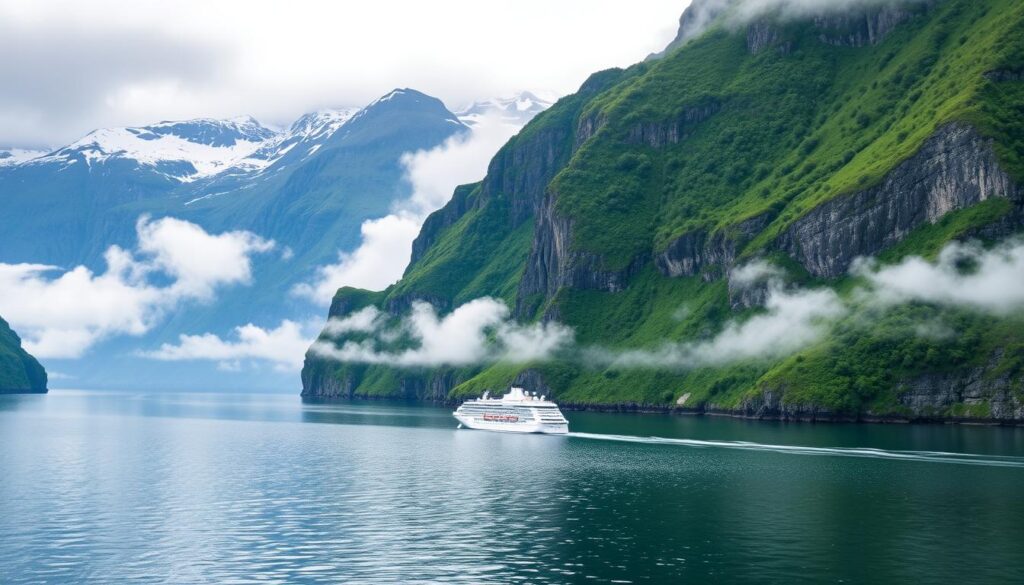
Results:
x,y
321,123
15,156
182,150
517,109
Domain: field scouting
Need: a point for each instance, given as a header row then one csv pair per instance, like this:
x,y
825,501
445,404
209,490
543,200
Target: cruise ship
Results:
x,y
516,412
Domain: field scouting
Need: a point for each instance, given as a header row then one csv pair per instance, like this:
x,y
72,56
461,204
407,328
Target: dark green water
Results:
x,y
189,488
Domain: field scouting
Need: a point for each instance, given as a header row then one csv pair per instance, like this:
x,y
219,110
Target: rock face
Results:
x,y
760,36
868,26
974,394
693,253
554,263
660,134
748,294
954,169
966,395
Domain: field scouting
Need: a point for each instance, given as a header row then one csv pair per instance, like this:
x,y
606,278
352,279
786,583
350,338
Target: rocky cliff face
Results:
x,y
761,35
710,254
868,26
665,133
954,169
973,395
555,262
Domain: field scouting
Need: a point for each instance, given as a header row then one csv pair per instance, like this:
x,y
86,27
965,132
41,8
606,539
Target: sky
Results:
x,y
86,65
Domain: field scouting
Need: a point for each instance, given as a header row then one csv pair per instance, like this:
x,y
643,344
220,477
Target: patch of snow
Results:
x,y
195,149
209,196
517,109
15,156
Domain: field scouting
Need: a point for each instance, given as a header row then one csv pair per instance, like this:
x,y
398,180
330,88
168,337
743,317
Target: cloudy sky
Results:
x,y
82,65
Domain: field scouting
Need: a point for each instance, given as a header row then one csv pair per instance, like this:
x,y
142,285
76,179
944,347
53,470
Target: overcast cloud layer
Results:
x,y
83,65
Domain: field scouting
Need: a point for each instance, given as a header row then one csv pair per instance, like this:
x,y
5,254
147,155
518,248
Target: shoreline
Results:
x,y
632,408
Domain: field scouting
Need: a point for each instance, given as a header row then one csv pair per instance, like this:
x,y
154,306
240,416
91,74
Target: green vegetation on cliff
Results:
x,y
19,371
756,140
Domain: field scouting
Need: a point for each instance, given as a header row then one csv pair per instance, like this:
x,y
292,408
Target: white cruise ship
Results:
x,y
516,412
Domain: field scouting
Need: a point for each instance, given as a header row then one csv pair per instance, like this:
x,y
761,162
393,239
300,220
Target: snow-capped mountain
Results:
x,y
16,156
306,135
518,109
185,151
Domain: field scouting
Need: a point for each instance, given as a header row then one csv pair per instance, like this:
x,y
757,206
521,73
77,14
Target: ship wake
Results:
x,y
860,452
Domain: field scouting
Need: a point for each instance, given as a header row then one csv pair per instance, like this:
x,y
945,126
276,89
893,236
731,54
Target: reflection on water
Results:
x,y
188,488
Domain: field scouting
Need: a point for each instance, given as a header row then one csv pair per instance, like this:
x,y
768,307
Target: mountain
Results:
x,y
518,109
669,211
309,188
19,371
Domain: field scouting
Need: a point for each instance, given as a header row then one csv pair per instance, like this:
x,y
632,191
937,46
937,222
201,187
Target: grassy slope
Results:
x,y
18,370
794,130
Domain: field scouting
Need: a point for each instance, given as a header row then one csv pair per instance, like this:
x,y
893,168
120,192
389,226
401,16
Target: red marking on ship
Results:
x,y
501,418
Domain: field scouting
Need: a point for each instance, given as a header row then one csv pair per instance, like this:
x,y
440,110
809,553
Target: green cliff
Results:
x,y
19,371
801,142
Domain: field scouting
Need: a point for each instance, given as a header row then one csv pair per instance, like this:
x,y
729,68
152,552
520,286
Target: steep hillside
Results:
x,y
795,142
19,371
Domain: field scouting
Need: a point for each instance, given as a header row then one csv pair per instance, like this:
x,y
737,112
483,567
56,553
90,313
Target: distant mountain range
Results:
x,y
308,187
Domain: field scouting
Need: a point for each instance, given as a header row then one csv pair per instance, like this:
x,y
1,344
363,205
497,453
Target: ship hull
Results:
x,y
513,427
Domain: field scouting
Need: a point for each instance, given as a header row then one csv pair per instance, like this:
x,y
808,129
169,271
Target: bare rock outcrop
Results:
x,y
954,169
866,26
555,263
664,133
693,253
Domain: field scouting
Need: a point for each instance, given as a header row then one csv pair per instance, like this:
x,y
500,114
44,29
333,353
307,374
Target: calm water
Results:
x,y
191,488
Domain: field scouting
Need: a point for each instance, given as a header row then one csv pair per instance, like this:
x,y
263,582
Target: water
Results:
x,y
193,488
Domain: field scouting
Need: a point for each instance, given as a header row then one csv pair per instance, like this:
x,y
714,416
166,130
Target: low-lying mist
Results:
x,y
792,318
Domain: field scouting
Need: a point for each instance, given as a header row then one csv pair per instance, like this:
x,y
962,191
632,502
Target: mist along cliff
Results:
x,y
665,205
19,371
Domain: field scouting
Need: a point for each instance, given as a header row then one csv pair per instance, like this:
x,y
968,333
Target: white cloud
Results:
x,y
964,275
749,9
198,261
386,248
139,62
365,320
792,321
739,13
755,272
476,332
376,263
62,314
480,331
284,346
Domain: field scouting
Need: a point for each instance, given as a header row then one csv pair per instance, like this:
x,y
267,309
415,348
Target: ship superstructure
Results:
x,y
516,412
